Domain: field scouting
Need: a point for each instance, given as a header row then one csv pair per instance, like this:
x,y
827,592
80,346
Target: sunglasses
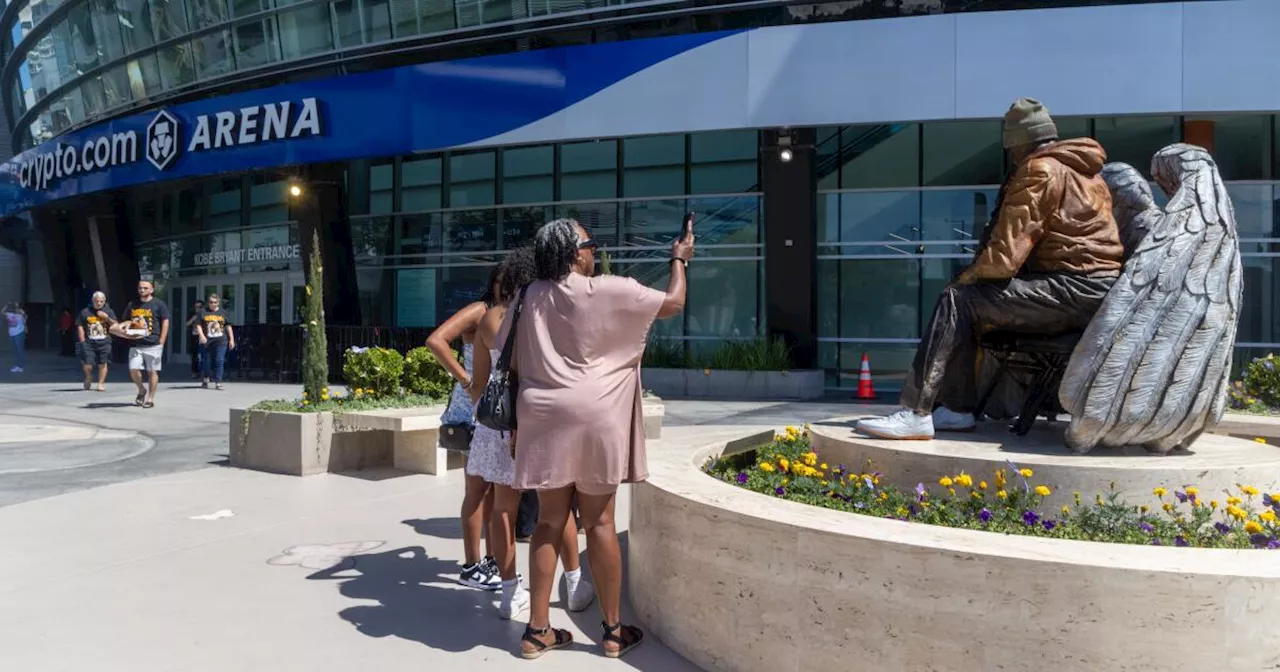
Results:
x,y
589,244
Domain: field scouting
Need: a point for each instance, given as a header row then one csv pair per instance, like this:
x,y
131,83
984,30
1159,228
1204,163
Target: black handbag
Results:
x,y
497,407
456,436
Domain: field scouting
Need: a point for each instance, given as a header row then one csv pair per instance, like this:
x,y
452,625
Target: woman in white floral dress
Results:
x,y
491,459
477,502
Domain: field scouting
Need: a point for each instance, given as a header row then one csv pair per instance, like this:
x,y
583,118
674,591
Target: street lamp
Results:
x,y
295,190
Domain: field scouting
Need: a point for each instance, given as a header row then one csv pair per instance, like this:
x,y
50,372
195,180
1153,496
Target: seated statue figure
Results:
x,y
1152,369
1052,254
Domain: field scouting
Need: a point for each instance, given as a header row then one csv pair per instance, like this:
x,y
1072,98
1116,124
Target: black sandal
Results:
x,y
141,398
563,639
636,635
149,404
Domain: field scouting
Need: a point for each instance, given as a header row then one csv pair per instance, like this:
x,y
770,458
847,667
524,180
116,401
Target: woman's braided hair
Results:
x,y
555,249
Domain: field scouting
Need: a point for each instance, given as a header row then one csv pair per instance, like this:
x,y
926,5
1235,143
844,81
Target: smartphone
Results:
x,y
688,225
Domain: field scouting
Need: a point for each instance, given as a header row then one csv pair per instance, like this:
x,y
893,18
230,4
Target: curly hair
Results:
x,y
555,249
495,275
518,270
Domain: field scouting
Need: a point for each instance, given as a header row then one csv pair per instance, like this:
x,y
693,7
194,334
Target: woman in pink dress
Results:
x,y
581,431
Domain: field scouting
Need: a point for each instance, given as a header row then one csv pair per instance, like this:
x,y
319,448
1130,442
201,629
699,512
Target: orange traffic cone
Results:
x,y
865,389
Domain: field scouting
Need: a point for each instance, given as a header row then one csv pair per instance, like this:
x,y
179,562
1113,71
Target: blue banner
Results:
x,y
430,106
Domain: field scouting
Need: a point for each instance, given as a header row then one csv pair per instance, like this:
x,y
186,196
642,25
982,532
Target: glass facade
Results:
x,y
900,207
82,60
426,229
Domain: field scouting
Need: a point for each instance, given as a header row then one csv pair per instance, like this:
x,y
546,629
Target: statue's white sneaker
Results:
x,y
947,420
905,425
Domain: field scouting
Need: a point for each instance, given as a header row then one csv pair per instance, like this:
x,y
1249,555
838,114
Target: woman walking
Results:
x,y
216,337
491,460
477,502
17,319
581,432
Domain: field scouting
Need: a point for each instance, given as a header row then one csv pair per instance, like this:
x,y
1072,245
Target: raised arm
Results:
x,y
681,253
461,322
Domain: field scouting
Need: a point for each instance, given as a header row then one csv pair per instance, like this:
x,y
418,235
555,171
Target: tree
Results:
x,y
606,264
315,347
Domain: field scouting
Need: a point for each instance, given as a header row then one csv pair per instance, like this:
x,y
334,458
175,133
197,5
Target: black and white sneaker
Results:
x,y
491,565
480,577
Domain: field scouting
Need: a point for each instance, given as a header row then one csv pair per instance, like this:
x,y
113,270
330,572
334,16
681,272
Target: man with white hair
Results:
x,y
95,344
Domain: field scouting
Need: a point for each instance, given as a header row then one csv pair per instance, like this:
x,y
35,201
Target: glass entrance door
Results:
x,y
248,299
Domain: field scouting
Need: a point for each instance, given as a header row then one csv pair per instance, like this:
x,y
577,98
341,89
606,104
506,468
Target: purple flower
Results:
x,y
911,508
1049,525
1030,518
1260,540
779,492
1182,496
1273,545
742,477
984,515
1266,499
870,483
1156,542
1146,527
920,492
1223,528
1180,541
859,505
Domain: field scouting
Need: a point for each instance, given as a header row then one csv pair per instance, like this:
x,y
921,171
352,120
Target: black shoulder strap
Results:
x,y
504,359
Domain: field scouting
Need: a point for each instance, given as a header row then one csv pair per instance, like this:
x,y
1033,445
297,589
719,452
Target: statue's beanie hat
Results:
x,y
1028,122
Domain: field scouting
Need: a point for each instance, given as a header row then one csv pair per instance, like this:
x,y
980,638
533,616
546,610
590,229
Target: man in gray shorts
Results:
x,y
146,324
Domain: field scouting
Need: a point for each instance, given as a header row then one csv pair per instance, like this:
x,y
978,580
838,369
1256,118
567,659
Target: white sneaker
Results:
x,y
580,596
947,420
514,602
904,425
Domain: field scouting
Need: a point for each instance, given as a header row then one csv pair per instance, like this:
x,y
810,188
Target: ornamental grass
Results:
x,y
1008,500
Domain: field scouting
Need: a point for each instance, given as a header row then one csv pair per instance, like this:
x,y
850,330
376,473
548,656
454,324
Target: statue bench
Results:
x,y
1039,362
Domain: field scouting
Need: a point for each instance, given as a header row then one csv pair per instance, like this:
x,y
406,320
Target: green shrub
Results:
x,y
761,354
374,371
665,353
1259,391
423,374
315,347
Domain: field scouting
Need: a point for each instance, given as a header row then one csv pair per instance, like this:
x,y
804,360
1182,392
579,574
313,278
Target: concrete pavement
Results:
x,y
129,547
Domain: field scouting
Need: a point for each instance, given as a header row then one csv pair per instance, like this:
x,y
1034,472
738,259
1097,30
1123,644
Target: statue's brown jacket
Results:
x,y
1055,218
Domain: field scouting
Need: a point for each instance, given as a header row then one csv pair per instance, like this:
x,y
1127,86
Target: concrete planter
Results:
x,y
654,412
740,385
895,595
303,444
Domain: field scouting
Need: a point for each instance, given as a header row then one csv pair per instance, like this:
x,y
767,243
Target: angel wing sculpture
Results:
x,y
1152,368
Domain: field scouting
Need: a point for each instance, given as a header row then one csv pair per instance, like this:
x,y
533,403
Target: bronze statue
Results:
x,y
1048,262
1152,368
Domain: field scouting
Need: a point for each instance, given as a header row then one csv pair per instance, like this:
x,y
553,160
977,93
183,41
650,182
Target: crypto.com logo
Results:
x,y
163,141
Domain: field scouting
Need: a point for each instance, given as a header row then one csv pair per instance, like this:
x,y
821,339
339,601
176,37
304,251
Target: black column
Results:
x,y
790,225
321,208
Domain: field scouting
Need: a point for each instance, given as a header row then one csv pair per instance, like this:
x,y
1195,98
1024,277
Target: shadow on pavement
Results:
x,y
110,404
418,601
442,528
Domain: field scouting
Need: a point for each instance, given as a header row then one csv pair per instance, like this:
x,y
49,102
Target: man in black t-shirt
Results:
x,y
146,325
95,344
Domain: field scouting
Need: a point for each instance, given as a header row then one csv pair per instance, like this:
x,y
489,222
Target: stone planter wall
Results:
x,y
736,385
799,588
303,444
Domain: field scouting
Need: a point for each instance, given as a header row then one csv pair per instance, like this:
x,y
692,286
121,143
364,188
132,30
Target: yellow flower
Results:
x,y
1268,515
982,485
1252,527
1144,508
1043,490
952,491
1232,501
1249,490
1065,509
1237,512
1260,440
945,481
1275,496
1160,492
1000,480
792,429
1193,490
1002,494
766,467
786,481
964,480
811,459
823,466
1077,496
1213,505
902,511
976,494
884,496
784,465
1168,508
1026,473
